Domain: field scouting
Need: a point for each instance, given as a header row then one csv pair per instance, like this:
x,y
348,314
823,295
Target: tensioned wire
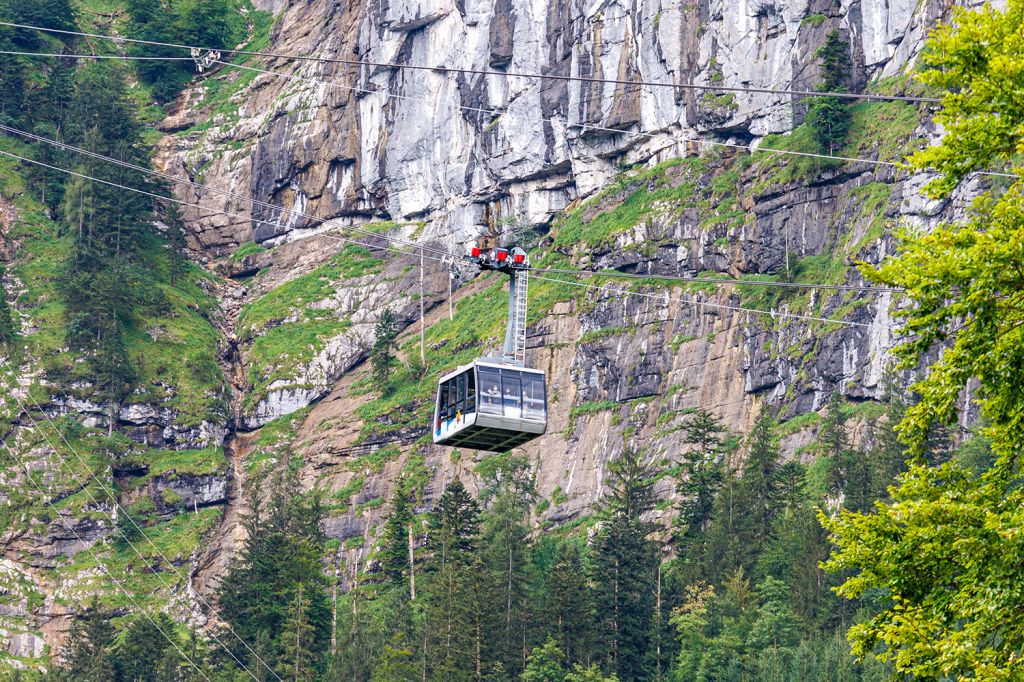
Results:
x,y
666,297
497,112
445,255
88,548
586,126
215,190
446,261
488,72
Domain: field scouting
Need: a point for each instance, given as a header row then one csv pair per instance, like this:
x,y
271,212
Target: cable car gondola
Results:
x,y
495,404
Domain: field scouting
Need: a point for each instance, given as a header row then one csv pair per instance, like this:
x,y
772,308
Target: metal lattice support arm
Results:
x,y
515,263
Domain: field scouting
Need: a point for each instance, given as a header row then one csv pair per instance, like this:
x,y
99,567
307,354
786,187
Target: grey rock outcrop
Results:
x,y
463,151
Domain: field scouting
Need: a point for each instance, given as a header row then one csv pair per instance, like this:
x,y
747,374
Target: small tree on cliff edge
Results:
x,y
381,355
829,117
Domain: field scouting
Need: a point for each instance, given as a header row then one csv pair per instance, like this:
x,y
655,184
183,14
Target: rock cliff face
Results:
x,y
322,162
463,151
437,158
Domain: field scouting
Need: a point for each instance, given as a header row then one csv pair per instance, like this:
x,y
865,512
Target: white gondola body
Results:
x,y
490,405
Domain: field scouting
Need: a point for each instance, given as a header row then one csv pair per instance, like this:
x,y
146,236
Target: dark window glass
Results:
x,y
460,405
490,392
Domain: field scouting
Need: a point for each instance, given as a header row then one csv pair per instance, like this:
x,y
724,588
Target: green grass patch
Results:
x,y
882,130
287,331
196,462
603,333
776,170
630,200
797,424
874,198
592,407
293,296
246,249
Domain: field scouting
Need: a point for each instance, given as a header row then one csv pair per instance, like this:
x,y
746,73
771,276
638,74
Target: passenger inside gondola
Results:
x,y
490,392
512,398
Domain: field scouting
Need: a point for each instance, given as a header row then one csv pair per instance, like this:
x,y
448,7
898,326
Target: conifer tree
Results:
x,y
298,639
454,623
282,553
209,23
140,654
396,663
177,256
829,117
760,482
12,78
89,646
701,477
569,610
381,354
395,555
155,21
625,562
511,491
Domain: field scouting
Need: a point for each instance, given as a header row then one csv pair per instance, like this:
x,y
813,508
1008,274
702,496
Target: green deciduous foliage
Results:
x,y
546,664
945,551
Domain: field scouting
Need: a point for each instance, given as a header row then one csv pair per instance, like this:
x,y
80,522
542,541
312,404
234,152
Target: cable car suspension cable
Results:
x,y
117,506
489,72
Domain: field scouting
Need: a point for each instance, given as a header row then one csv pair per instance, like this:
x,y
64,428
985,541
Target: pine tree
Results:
x,y
510,489
456,593
569,610
625,562
154,20
701,477
396,663
298,638
760,488
87,652
829,117
395,555
851,471
381,357
209,23
282,553
141,652
176,248
13,76
55,14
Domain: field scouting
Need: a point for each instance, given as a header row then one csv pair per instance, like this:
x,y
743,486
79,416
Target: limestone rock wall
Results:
x,y
465,151
467,155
